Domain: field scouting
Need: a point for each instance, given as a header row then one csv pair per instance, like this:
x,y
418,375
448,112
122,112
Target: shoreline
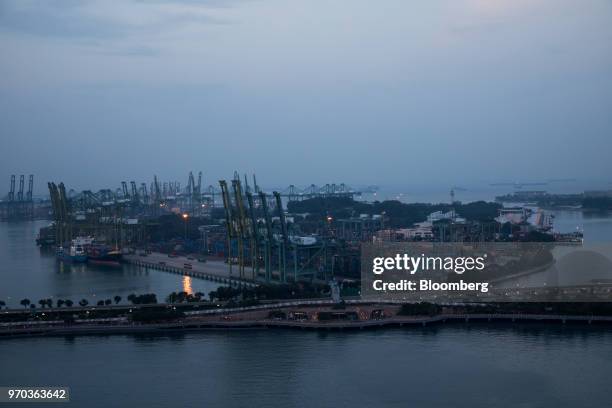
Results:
x,y
392,322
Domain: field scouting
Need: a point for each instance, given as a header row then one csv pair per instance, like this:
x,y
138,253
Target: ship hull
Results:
x,y
105,262
72,258
104,257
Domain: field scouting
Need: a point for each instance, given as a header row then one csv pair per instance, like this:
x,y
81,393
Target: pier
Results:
x,y
213,270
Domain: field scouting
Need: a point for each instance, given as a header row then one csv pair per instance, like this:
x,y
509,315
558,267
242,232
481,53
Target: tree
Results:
x,y
117,299
100,303
172,297
25,302
181,296
42,302
131,297
2,304
83,302
60,302
68,303
108,302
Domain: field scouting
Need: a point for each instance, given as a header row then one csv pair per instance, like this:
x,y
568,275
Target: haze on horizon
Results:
x,y
394,92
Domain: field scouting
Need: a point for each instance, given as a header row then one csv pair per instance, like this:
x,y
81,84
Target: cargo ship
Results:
x,y
75,253
99,254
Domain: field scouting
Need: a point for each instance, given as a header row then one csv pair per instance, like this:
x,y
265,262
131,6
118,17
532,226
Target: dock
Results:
x,y
212,270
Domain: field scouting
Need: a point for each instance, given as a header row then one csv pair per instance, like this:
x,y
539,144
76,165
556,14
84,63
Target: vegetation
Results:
x,y
300,290
182,297
397,214
146,299
45,302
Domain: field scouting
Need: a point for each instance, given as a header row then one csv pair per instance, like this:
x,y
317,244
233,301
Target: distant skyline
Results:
x,y
394,93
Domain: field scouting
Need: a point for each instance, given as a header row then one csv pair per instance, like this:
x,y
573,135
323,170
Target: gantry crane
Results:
x,y
285,236
227,205
255,242
269,240
241,224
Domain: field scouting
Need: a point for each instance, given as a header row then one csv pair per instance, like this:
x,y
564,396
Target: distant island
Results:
x,y
589,200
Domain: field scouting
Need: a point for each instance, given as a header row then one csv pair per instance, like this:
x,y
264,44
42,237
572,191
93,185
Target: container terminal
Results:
x,y
310,233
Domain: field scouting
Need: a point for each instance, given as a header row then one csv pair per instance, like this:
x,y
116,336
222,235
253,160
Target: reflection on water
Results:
x,y
187,285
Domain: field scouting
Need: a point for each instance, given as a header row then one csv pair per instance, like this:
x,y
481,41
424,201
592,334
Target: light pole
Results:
x,y
185,218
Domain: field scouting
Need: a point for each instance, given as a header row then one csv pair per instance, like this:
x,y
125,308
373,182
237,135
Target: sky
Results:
x,y
390,92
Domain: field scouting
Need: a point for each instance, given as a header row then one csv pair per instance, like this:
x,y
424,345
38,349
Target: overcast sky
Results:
x,y
451,92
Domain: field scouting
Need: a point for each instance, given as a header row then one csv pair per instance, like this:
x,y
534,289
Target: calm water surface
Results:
x,y
445,366
27,271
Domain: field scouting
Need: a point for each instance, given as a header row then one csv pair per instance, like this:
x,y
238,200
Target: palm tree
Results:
x,y
100,303
68,303
131,297
83,302
171,297
60,302
108,302
25,302
117,299
2,304
42,303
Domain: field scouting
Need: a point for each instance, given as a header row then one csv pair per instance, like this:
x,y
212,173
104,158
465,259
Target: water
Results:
x,y
454,365
596,225
27,271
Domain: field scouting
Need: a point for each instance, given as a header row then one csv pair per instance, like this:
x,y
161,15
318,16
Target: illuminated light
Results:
x,y
185,216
